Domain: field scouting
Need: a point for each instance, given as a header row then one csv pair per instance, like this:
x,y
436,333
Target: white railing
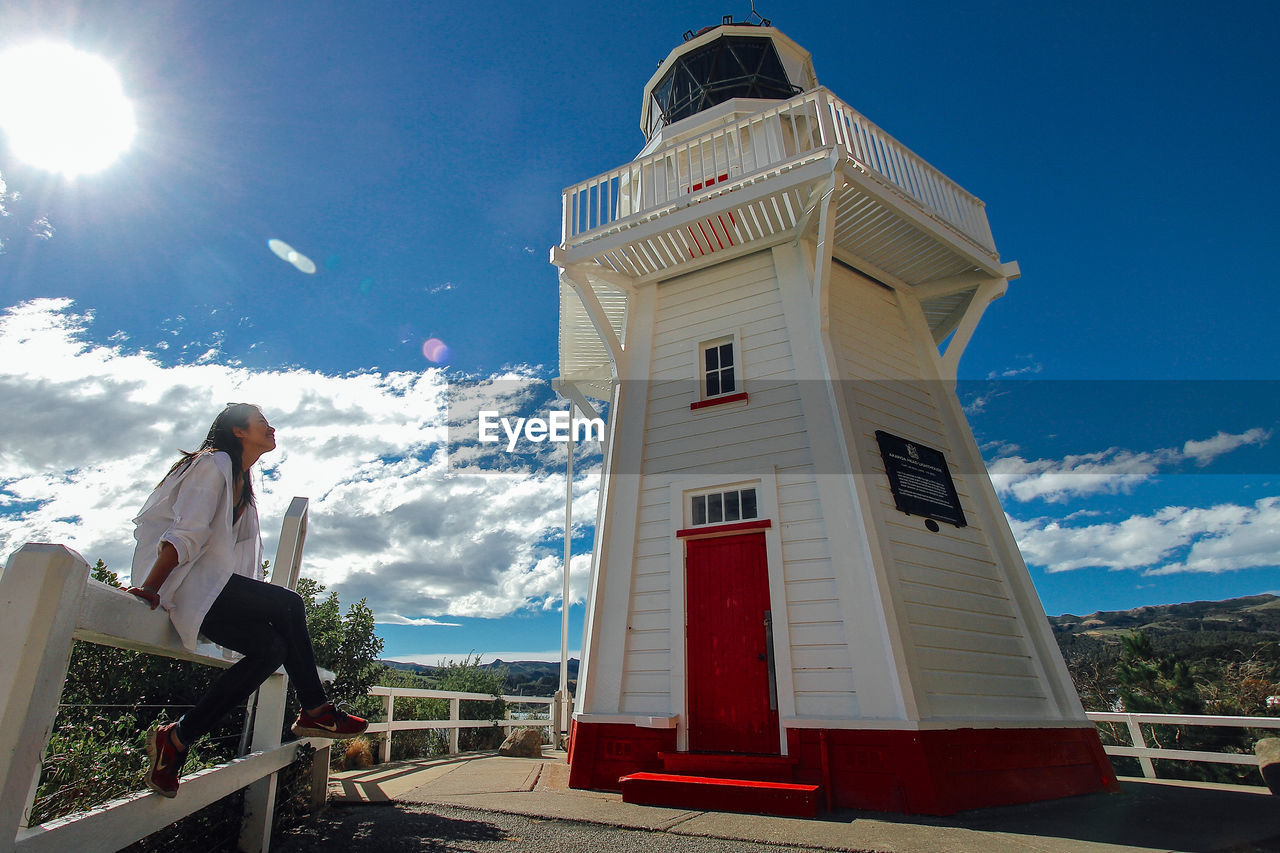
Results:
x,y
802,128
454,724
1145,754
47,600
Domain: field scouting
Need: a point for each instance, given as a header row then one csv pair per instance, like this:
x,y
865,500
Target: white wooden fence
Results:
x,y
454,724
1145,754
47,599
801,127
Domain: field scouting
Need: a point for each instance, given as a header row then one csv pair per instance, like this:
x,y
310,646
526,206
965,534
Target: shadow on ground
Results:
x,y
385,829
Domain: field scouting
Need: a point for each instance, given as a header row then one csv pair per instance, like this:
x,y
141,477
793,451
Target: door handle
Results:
x,y
768,656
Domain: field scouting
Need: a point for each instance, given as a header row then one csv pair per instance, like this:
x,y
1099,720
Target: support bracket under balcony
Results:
x,y
984,294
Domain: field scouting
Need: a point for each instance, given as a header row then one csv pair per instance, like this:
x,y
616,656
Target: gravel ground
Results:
x,y
393,828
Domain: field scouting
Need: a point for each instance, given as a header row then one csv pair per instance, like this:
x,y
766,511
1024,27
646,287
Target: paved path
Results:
x,y
485,802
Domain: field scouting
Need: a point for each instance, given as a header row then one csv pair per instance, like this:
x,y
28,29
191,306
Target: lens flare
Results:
x,y
436,351
285,252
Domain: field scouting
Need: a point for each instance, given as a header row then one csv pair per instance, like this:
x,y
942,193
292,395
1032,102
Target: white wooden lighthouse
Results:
x,y
802,575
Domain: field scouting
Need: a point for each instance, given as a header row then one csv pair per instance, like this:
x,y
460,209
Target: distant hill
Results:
x,y
529,677
1195,629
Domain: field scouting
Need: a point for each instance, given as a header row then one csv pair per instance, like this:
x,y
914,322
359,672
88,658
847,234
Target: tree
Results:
x,y
1150,683
347,645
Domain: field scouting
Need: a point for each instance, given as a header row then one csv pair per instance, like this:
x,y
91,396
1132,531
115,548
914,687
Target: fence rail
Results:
x,y
454,724
1139,749
792,130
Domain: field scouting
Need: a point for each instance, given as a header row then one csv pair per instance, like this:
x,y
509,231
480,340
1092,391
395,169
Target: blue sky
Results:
x,y
1124,391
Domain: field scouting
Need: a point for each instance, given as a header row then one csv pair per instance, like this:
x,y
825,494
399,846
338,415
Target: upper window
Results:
x,y
719,369
723,507
728,67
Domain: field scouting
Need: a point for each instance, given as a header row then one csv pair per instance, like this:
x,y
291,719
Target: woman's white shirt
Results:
x,y
193,510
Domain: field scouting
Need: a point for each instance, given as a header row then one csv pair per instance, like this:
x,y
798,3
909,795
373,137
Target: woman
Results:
x,y
200,556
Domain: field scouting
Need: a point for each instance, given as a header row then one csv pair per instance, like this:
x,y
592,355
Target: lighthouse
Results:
x,y
804,592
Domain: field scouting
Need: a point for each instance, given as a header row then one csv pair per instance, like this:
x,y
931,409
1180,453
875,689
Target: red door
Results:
x,y
731,701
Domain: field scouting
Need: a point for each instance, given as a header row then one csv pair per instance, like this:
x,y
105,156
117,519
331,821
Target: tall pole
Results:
x,y
562,721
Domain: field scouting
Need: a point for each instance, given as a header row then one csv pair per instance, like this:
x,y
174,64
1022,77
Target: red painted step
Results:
x,y
748,796
723,765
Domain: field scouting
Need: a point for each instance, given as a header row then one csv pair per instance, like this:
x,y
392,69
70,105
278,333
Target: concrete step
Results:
x,y
707,793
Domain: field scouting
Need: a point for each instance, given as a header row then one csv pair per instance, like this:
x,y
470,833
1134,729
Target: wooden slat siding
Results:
x,y
994,663
773,404
814,590
820,658
643,583
968,706
651,555
968,640
946,577
805,549
817,633
971,659
766,435
641,621
810,569
649,641
830,680
656,601
830,656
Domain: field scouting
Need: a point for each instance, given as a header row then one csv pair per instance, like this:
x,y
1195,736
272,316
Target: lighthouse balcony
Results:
x,y
758,180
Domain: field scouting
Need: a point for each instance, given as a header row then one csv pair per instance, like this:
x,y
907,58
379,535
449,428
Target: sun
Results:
x,y
63,110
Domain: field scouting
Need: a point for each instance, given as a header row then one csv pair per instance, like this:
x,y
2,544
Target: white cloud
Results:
x,y
392,518
1112,471
396,619
1011,372
1221,538
1204,452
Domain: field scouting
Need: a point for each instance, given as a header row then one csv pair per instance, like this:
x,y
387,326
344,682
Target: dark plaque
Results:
x,y
920,479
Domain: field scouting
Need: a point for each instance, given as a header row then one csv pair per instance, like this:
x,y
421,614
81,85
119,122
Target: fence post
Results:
x,y
1135,737
41,591
454,715
260,797
390,704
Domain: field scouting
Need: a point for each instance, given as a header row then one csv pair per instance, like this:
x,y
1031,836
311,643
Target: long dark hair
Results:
x,y
221,437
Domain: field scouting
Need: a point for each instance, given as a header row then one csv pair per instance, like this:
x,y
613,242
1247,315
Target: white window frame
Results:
x,y
734,338
720,491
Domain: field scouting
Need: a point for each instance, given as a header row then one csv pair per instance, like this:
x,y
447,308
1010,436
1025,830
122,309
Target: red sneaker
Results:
x,y
331,722
166,761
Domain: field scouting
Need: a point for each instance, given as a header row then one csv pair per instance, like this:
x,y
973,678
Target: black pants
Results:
x,y
267,624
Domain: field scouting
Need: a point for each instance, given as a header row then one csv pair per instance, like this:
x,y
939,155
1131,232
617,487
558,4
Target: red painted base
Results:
x,y
921,772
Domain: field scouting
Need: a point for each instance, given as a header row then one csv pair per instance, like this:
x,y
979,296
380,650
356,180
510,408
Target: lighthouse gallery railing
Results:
x,y
807,124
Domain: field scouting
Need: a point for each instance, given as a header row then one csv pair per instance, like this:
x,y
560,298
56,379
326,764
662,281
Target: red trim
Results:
x,y
723,529
602,753
936,772
716,401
